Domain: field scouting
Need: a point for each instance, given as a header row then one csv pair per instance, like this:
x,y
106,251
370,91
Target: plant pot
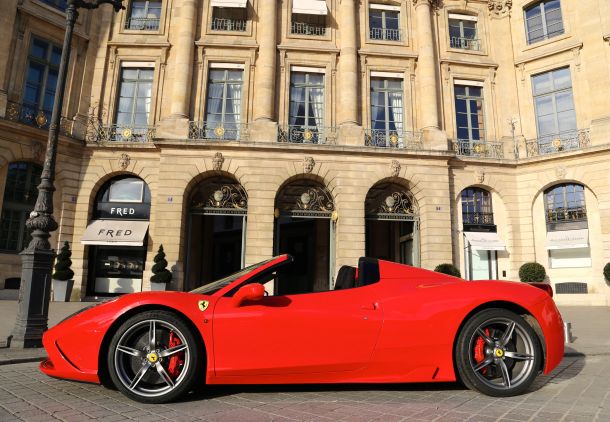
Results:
x,y
157,287
62,290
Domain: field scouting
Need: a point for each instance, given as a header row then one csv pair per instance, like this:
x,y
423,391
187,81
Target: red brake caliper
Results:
x,y
176,360
479,350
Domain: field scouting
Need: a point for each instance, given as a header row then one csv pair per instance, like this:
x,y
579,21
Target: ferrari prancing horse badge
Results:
x,y
203,305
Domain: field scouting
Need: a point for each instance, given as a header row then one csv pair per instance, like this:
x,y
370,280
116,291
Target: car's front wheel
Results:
x,y
498,353
153,357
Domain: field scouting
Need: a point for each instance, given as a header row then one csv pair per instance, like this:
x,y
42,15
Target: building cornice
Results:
x,y
207,42
469,63
307,47
560,48
388,54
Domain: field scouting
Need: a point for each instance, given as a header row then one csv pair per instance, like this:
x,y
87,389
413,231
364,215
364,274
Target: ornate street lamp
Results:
x,y
37,258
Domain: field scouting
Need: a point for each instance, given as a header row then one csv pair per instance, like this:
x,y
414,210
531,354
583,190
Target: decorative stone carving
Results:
x,y
561,172
395,168
499,8
308,164
218,161
479,175
124,161
37,151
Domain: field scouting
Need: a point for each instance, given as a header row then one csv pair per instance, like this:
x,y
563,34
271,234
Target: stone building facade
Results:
x,y
474,132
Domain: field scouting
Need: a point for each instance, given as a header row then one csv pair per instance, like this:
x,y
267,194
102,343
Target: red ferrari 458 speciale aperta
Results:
x,y
382,323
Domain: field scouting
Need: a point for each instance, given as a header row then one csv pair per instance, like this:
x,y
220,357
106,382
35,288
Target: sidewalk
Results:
x,y
590,327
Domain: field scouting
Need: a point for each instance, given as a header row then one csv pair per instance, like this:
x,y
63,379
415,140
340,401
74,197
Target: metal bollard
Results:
x,y
567,332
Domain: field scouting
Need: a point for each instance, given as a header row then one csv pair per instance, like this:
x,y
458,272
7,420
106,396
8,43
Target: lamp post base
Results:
x,y
34,294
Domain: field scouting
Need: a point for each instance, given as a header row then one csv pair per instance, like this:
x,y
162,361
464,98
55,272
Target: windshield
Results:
x,y
215,286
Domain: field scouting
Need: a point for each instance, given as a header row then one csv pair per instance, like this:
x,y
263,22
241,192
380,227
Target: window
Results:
x,y
144,15
19,198
384,22
476,207
386,112
229,19
134,101
463,32
555,114
308,24
565,203
40,82
306,114
543,20
223,105
469,117
58,4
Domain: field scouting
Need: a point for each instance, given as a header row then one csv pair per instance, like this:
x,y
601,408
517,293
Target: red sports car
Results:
x,y
383,323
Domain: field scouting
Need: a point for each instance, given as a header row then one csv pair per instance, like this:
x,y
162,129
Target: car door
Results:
x,y
304,333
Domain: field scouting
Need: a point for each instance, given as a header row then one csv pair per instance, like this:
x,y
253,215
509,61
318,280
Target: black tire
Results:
x,y
495,359
154,375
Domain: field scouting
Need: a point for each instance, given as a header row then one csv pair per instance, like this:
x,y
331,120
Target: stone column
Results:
x,y
183,48
264,107
427,76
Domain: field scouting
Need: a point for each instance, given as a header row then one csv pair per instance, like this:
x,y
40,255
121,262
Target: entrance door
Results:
x,y
482,265
392,240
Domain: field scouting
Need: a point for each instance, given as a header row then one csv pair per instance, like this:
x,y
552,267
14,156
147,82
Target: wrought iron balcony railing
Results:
x,y
221,24
305,28
385,34
566,215
478,218
142,24
218,131
465,43
568,141
478,148
33,116
99,133
392,139
307,134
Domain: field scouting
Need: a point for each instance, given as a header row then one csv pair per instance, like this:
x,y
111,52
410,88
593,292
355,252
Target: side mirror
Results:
x,y
254,291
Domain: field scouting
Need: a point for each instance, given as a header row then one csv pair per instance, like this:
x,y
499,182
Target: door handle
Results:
x,y
369,307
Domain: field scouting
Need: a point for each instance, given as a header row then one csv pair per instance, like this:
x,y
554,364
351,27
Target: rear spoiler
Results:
x,y
546,287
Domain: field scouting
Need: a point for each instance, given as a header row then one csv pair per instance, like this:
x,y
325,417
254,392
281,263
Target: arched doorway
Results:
x,y
217,209
392,224
304,228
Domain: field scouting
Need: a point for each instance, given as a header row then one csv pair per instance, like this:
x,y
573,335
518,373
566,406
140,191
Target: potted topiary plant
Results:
x,y
607,273
532,272
62,276
161,275
448,269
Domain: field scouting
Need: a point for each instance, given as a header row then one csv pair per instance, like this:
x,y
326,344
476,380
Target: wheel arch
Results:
x,y
102,368
510,306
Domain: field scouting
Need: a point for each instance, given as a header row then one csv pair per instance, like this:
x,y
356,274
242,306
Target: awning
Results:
x,y
309,7
115,232
567,239
230,3
485,241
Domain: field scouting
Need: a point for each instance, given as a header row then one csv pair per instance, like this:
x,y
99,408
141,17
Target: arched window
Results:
x,y
476,207
19,198
565,204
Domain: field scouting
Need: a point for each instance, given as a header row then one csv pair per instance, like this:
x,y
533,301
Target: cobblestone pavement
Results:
x,y
576,391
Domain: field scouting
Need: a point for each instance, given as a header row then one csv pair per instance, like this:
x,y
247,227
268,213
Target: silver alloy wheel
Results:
x,y
508,353
142,355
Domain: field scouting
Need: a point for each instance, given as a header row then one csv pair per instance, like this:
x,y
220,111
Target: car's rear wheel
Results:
x,y
154,357
498,353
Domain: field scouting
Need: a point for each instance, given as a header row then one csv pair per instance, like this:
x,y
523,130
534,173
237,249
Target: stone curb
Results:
x,y
21,360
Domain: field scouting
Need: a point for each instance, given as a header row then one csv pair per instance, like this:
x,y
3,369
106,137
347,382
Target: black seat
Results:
x,y
368,271
346,278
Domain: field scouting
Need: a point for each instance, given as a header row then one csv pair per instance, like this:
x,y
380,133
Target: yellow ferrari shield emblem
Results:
x,y
499,353
153,358
203,305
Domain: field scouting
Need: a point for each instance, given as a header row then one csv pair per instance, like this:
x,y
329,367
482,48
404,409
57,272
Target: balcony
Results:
x,y
222,24
384,34
477,219
552,144
568,218
143,24
478,148
33,116
307,134
216,131
306,28
99,133
465,43
380,138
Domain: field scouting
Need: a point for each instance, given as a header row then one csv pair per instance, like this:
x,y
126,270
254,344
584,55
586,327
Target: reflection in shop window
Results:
x,y
126,190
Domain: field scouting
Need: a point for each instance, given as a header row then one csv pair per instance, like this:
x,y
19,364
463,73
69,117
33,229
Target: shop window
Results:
x,y
229,18
40,82
58,4
570,258
133,109
144,15
20,195
384,22
463,32
543,20
223,104
306,113
469,115
387,112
